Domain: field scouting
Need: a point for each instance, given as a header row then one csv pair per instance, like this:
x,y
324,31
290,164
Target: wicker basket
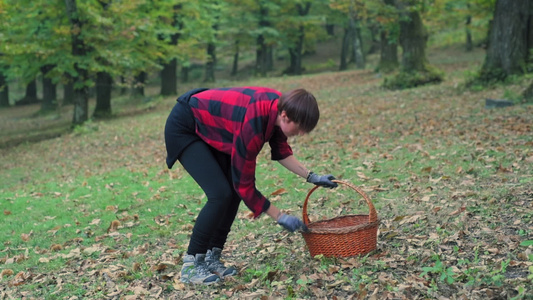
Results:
x,y
342,236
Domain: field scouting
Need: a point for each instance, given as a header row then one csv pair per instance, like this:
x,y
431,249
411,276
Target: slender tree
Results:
x,y
139,83
211,62
355,26
345,48
104,87
469,45
104,80
298,33
169,78
30,96
49,102
79,51
4,90
386,15
68,91
235,65
263,53
354,15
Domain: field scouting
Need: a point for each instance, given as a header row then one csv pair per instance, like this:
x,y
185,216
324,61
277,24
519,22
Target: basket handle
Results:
x,y
372,217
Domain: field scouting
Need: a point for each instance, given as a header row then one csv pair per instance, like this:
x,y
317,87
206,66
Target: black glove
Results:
x,y
325,180
291,223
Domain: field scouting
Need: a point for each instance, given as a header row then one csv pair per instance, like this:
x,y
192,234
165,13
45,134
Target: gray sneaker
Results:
x,y
194,270
212,259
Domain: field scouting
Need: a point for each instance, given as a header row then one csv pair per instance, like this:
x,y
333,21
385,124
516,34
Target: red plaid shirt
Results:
x,y
239,121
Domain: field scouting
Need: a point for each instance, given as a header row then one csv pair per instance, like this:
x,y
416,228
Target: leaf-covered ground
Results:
x,y
451,181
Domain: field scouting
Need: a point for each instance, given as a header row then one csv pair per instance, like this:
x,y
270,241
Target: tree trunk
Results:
x,y
388,60
344,49
375,42
185,74
468,32
413,37
104,86
358,45
4,91
528,94
415,69
260,56
295,52
508,51
169,78
49,90
330,29
81,92
270,58
211,62
295,62
264,57
235,66
138,86
30,96
123,86
68,93
261,47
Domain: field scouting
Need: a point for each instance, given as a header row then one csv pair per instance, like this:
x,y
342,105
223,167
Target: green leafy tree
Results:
x,y
447,18
240,24
297,21
169,72
86,42
79,54
355,12
385,14
265,35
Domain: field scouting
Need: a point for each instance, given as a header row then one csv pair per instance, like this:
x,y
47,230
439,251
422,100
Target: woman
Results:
x,y
216,134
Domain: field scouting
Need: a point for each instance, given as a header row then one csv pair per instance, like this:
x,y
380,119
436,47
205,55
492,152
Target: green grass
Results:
x,y
450,180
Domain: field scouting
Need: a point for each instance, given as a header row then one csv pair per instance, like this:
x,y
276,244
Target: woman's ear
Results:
x,y
283,115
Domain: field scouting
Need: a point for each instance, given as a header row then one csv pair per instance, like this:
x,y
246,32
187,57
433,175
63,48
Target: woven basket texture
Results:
x,y
342,236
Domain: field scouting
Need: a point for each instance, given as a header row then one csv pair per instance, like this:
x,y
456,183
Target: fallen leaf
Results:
x,y
6,272
26,236
279,192
458,211
56,247
113,226
54,230
95,222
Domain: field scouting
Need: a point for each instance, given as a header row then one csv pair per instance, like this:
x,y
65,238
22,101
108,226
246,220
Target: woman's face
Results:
x,y
288,127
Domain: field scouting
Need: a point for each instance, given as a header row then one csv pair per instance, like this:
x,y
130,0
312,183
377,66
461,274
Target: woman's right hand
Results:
x,y
291,223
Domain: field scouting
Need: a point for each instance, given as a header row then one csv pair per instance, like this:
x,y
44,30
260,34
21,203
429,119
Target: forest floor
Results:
x,y
94,213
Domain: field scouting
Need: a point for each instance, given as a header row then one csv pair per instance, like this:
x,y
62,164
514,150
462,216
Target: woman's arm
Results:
x,y
292,164
273,212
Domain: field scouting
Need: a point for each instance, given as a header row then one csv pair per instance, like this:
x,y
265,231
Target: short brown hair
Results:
x,y
301,107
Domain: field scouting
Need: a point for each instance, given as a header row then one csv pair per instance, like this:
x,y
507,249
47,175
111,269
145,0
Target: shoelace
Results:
x,y
201,269
217,264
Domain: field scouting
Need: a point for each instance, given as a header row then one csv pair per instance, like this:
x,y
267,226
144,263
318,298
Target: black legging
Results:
x,y
211,169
